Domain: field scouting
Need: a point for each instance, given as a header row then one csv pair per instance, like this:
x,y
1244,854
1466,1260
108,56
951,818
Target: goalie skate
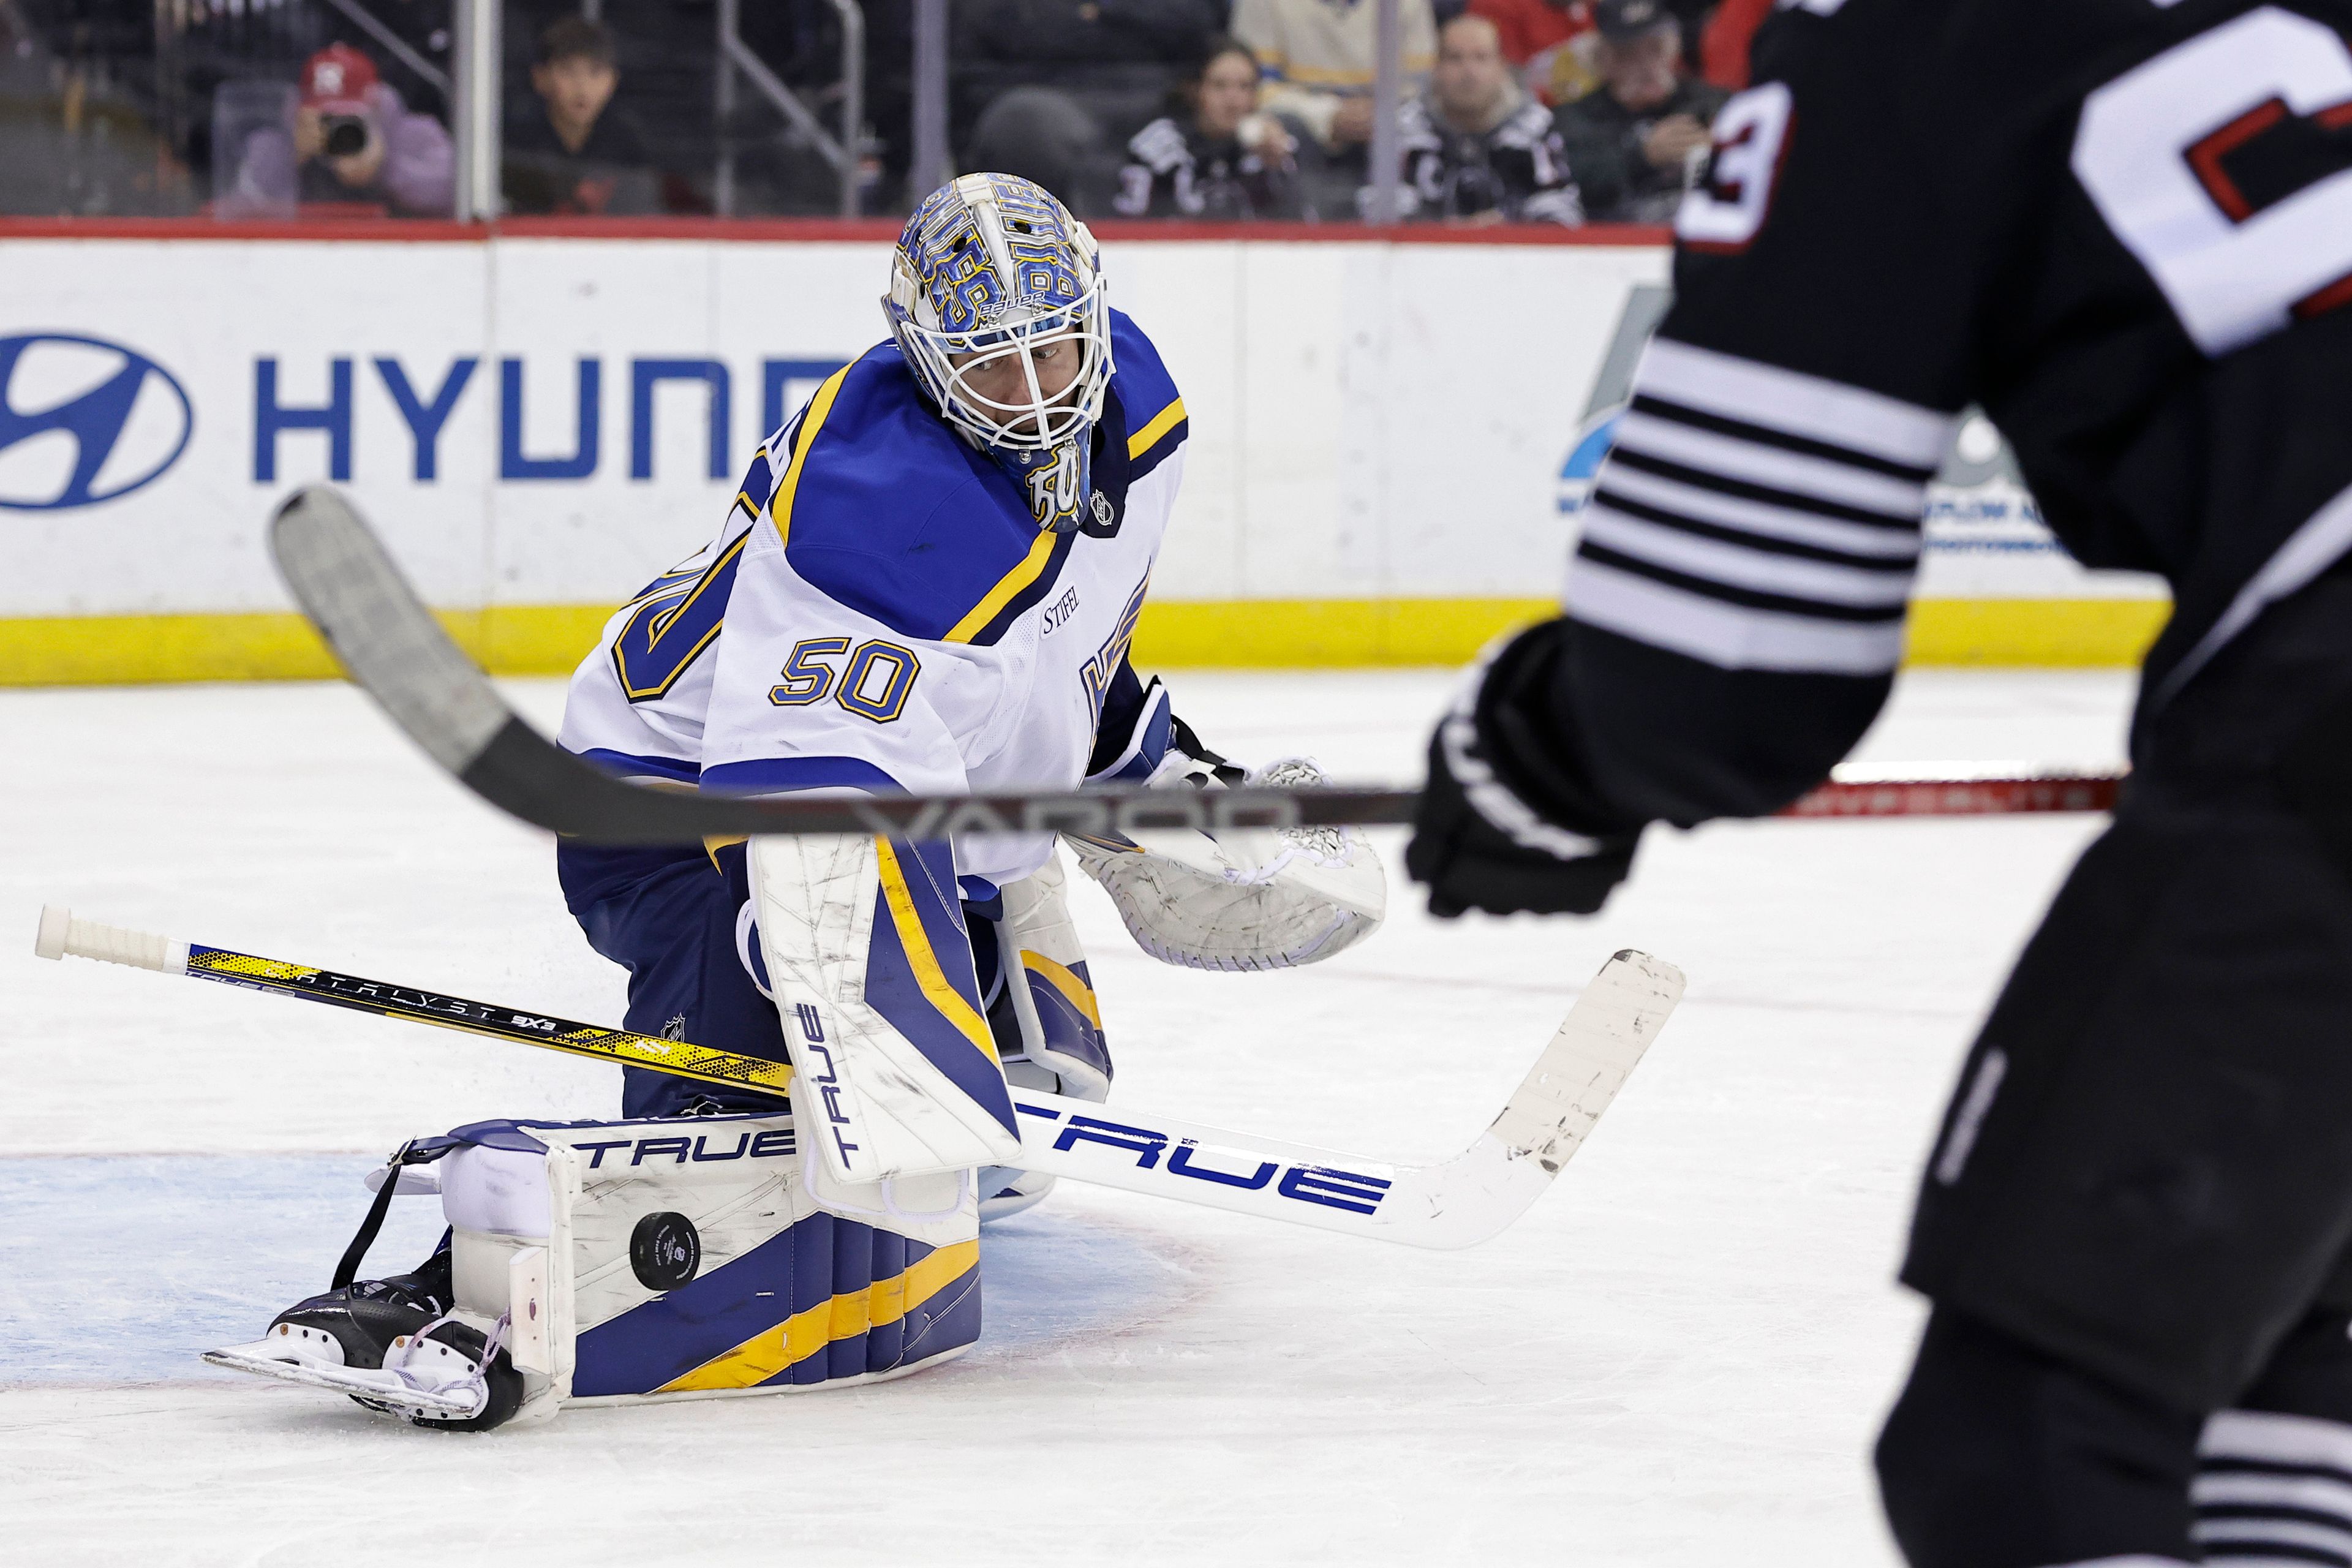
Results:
x,y
429,1378
388,1344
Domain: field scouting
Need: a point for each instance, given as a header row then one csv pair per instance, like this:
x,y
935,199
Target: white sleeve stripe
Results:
x,y
1802,446
2245,1536
2258,1488
1904,524
1807,406
2265,1438
1729,636
1898,500
1755,516
1731,592
1737,567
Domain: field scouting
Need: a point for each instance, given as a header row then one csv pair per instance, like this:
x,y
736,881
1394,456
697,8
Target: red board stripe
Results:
x,y
806,231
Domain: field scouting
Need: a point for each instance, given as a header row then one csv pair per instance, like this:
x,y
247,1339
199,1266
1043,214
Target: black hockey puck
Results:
x,y
665,1250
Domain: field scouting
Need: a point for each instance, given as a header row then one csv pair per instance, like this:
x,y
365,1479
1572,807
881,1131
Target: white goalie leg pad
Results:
x,y
656,1259
1246,899
702,1264
685,1257
895,1071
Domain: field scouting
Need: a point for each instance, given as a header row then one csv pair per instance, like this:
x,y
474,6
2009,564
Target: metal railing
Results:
x,y
844,153
1386,154
393,44
473,109
929,163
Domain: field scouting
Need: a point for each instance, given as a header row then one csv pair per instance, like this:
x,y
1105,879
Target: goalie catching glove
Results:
x,y
1246,899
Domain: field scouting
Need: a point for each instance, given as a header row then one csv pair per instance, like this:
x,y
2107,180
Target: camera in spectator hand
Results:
x,y
343,135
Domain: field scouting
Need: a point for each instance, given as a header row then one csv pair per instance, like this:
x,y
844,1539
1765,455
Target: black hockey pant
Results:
x,y
2136,1224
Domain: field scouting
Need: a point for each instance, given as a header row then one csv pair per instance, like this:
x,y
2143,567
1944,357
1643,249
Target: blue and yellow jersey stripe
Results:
x,y
811,424
1016,592
1159,435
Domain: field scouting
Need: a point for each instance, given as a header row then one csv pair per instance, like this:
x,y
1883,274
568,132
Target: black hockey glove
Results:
x,y
1490,834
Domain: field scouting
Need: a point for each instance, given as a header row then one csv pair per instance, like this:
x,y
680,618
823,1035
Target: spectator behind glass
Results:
x,y
570,153
356,146
1550,42
1055,87
1218,156
70,141
1477,149
1318,58
1634,142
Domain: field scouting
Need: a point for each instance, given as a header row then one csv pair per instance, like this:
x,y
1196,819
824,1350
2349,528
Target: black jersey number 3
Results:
x,y
2225,165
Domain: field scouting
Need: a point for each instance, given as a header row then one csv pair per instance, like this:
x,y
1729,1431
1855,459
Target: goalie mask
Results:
x,y
996,300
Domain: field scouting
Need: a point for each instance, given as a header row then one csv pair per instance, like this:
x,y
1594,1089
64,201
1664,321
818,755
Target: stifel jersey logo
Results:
x,y
84,421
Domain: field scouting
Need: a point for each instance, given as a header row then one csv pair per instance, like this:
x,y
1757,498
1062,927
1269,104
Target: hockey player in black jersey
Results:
x,y
2125,228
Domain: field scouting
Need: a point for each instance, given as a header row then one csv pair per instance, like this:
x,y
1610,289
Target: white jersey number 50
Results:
x,y
2150,151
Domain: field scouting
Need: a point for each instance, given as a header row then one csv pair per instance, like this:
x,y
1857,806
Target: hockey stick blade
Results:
x,y
1454,1203
393,649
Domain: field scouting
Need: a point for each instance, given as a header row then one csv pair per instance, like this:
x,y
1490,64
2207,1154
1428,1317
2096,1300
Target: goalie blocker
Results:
x,y
601,1263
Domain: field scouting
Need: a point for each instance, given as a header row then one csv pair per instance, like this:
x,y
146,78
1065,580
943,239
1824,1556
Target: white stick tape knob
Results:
x,y
61,934
51,941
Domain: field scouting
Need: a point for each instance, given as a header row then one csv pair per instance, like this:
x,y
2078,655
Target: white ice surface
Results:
x,y
1678,1358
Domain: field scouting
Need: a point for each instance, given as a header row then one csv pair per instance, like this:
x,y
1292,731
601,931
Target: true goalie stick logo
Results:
x,y
829,1081
1356,1191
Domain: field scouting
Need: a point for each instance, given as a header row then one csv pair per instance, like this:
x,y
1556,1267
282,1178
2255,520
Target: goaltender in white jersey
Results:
x,y
928,581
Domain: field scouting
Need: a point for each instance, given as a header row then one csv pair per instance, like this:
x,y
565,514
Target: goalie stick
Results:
x,y
1456,1202
395,652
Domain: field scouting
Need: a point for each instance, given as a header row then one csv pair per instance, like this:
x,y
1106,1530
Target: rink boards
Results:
x,y
1389,439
